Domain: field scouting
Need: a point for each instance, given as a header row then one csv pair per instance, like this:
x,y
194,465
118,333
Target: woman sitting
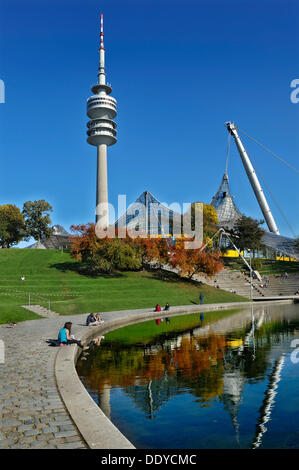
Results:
x,y
98,318
65,337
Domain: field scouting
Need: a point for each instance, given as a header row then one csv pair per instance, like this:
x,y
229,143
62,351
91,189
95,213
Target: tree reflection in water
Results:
x,y
210,366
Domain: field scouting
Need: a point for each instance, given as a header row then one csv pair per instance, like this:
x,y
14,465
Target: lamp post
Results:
x,y
250,275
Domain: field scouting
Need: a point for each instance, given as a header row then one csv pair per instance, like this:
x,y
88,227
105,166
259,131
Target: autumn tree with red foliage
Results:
x,y
85,243
194,261
111,253
154,250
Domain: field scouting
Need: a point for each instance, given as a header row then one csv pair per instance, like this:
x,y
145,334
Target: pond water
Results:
x,y
213,380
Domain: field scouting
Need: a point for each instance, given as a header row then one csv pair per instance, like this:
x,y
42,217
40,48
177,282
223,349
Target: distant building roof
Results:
x,y
226,209
284,245
148,215
228,214
59,230
59,239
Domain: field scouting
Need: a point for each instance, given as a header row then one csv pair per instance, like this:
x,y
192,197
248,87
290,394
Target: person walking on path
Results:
x,y
201,298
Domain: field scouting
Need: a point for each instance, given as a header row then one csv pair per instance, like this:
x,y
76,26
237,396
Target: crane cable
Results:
x,y
273,198
227,153
269,151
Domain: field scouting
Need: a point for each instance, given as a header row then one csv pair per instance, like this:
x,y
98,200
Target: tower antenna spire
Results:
x,y
102,33
102,74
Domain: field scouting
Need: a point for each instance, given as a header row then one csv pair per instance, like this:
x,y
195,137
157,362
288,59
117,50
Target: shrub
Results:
x,y
257,264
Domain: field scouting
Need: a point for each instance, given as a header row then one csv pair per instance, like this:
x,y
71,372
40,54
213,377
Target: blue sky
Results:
x,y
179,71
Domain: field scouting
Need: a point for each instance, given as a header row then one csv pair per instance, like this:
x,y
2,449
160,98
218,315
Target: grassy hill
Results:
x,y
52,279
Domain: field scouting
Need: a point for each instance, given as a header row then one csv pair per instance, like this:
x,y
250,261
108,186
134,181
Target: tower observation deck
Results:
x,y
101,132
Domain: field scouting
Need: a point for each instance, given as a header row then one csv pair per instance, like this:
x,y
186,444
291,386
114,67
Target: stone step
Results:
x,y
239,282
42,311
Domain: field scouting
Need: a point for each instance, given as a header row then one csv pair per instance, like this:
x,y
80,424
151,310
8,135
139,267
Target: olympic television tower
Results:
x,y
101,109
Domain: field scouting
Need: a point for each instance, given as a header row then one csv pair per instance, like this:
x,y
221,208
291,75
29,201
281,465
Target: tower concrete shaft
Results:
x,y
101,108
102,212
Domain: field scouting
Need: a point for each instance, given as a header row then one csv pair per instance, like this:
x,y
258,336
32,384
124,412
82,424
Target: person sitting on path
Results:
x,y
93,320
98,318
167,307
65,337
158,308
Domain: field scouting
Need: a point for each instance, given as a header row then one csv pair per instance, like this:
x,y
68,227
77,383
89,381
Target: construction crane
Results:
x,y
232,129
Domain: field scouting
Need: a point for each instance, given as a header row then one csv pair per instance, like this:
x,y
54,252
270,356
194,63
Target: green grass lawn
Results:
x,y
52,276
269,266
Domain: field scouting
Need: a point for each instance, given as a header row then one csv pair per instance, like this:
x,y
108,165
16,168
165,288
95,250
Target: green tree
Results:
x,y
37,219
209,218
12,225
247,233
210,221
116,255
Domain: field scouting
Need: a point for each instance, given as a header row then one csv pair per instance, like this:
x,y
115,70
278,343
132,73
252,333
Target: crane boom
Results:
x,y
259,194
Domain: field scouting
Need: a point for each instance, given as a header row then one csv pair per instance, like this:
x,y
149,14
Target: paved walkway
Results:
x,y
32,413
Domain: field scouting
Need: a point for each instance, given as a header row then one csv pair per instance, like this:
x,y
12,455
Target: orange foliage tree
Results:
x,y
194,261
132,253
112,253
85,243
